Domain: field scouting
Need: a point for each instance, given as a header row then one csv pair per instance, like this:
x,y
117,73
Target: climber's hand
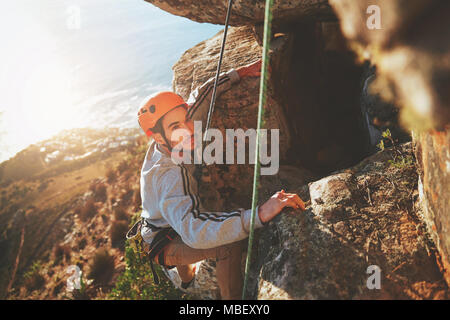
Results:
x,y
251,70
276,203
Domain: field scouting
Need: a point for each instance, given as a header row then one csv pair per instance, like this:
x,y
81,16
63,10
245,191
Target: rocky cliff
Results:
x,y
412,55
244,12
364,216
335,86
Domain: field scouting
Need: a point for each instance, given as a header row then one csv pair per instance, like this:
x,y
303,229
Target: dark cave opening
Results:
x,y
320,91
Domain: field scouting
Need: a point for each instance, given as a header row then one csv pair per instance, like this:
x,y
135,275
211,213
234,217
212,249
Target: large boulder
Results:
x,y
313,93
361,217
236,108
245,12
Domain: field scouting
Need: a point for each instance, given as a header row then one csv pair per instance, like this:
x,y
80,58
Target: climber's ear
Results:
x,y
158,138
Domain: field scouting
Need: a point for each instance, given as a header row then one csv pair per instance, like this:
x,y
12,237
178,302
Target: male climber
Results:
x,y
169,191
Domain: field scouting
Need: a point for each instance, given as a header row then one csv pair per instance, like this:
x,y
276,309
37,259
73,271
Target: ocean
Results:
x,y
83,63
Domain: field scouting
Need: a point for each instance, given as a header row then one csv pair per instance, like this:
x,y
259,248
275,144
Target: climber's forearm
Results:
x,y
204,230
180,206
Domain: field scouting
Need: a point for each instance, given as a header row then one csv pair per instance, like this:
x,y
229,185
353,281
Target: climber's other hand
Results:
x,y
278,202
251,70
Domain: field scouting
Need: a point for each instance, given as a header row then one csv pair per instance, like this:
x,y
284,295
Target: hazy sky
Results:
x,y
71,63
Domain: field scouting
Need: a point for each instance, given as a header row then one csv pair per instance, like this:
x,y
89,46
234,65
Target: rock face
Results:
x,y
236,108
244,12
433,161
359,217
313,93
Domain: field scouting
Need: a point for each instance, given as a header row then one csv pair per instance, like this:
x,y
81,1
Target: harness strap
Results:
x,y
151,226
161,258
155,275
157,246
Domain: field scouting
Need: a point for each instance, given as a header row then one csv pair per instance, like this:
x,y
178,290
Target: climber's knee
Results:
x,y
225,251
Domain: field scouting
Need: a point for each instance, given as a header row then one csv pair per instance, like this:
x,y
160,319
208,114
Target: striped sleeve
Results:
x,y
180,206
200,98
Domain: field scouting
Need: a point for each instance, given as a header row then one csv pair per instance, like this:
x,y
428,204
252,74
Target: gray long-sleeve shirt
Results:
x,y
169,191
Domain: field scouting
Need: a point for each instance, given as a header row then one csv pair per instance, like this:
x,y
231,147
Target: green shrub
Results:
x,y
118,232
136,282
127,175
105,218
33,279
137,201
398,159
61,252
102,267
87,211
126,197
99,190
122,167
82,243
82,293
120,214
111,176
57,289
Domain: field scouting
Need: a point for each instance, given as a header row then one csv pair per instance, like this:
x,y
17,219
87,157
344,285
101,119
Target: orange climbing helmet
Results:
x,y
156,107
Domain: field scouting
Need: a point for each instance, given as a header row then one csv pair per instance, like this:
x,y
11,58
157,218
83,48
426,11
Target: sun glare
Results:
x,y
47,100
36,83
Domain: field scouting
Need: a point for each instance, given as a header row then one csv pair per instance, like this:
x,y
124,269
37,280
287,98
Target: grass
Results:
x,y
398,159
63,188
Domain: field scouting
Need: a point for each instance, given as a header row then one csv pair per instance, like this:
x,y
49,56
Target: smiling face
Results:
x,y
178,129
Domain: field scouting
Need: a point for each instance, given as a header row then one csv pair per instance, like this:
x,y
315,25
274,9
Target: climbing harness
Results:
x,y
155,248
260,124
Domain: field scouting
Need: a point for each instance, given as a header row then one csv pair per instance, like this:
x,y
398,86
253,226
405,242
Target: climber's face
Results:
x,y
179,130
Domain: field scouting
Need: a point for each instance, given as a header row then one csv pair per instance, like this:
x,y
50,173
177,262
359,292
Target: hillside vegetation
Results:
x,y
73,209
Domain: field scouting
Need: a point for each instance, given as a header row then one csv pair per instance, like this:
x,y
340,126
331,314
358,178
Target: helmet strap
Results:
x,y
167,144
